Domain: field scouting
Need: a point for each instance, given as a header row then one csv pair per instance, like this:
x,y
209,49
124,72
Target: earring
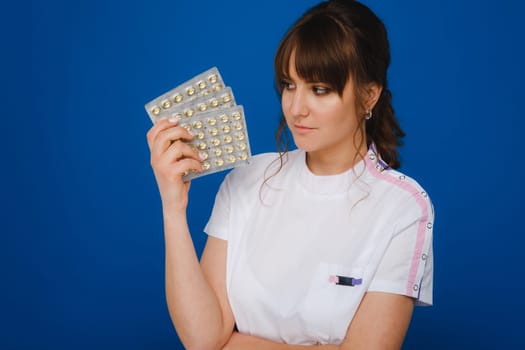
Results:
x,y
368,114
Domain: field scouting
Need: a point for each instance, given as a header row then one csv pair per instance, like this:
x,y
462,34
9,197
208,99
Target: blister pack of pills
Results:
x,y
206,107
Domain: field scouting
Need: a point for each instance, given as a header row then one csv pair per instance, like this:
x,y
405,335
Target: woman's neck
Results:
x,y
332,163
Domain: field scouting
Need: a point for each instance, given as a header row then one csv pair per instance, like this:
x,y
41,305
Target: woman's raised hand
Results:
x,y
171,158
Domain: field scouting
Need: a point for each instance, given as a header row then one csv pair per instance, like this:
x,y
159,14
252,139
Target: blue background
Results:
x,y
82,243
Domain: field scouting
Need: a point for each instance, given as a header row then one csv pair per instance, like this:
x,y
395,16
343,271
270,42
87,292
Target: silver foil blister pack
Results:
x,y
206,107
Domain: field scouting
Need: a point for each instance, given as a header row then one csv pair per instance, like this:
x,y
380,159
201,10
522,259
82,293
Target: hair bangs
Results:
x,y
316,58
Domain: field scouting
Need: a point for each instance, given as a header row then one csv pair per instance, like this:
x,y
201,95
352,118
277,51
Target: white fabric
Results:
x,y
288,236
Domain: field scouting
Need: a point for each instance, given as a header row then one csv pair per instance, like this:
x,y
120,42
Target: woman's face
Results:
x,y
321,121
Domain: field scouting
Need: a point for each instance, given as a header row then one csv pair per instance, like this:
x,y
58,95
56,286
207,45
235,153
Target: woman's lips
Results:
x,y
301,129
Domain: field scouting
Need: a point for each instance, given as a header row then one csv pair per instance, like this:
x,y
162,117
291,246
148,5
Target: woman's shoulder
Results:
x,y
264,162
253,170
388,179
255,164
395,188
402,180
260,167
405,193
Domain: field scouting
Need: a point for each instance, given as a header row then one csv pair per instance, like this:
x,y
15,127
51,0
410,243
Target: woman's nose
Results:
x,y
298,103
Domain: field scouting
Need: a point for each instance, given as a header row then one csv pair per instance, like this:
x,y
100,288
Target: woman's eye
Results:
x,y
321,90
286,85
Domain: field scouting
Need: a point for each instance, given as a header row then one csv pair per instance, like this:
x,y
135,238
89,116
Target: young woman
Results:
x,y
326,245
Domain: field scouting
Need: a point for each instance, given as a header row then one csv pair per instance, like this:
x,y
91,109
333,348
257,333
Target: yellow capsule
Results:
x,y
212,121
228,149
203,155
226,98
206,165
217,87
215,142
227,139
202,145
237,126
214,103
213,131
177,98
243,156
241,146
213,78
198,124
224,118
219,162
217,151
226,129
189,112
239,136
166,104
230,158
199,135
202,107
156,110
236,116
190,91
201,84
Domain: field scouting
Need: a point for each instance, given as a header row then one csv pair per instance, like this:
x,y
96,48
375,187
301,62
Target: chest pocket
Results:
x,y
329,307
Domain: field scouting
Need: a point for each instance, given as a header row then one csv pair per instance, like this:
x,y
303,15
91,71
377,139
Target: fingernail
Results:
x,y
173,120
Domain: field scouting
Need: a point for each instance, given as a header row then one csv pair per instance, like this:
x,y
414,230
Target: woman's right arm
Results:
x,y
195,292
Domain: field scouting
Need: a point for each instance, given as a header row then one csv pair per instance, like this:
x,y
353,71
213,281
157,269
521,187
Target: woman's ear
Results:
x,y
373,92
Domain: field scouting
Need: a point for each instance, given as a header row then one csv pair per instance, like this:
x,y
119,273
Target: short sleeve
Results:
x,y
219,222
407,266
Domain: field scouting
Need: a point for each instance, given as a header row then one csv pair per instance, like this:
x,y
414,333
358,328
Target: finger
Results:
x,y
181,150
183,167
188,165
178,160
167,137
159,127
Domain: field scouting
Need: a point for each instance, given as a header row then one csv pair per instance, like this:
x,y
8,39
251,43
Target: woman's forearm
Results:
x,y
193,306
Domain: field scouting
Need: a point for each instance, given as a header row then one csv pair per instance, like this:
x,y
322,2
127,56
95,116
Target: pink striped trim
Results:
x,y
420,240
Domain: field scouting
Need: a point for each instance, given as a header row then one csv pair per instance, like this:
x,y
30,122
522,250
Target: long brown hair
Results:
x,y
335,40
